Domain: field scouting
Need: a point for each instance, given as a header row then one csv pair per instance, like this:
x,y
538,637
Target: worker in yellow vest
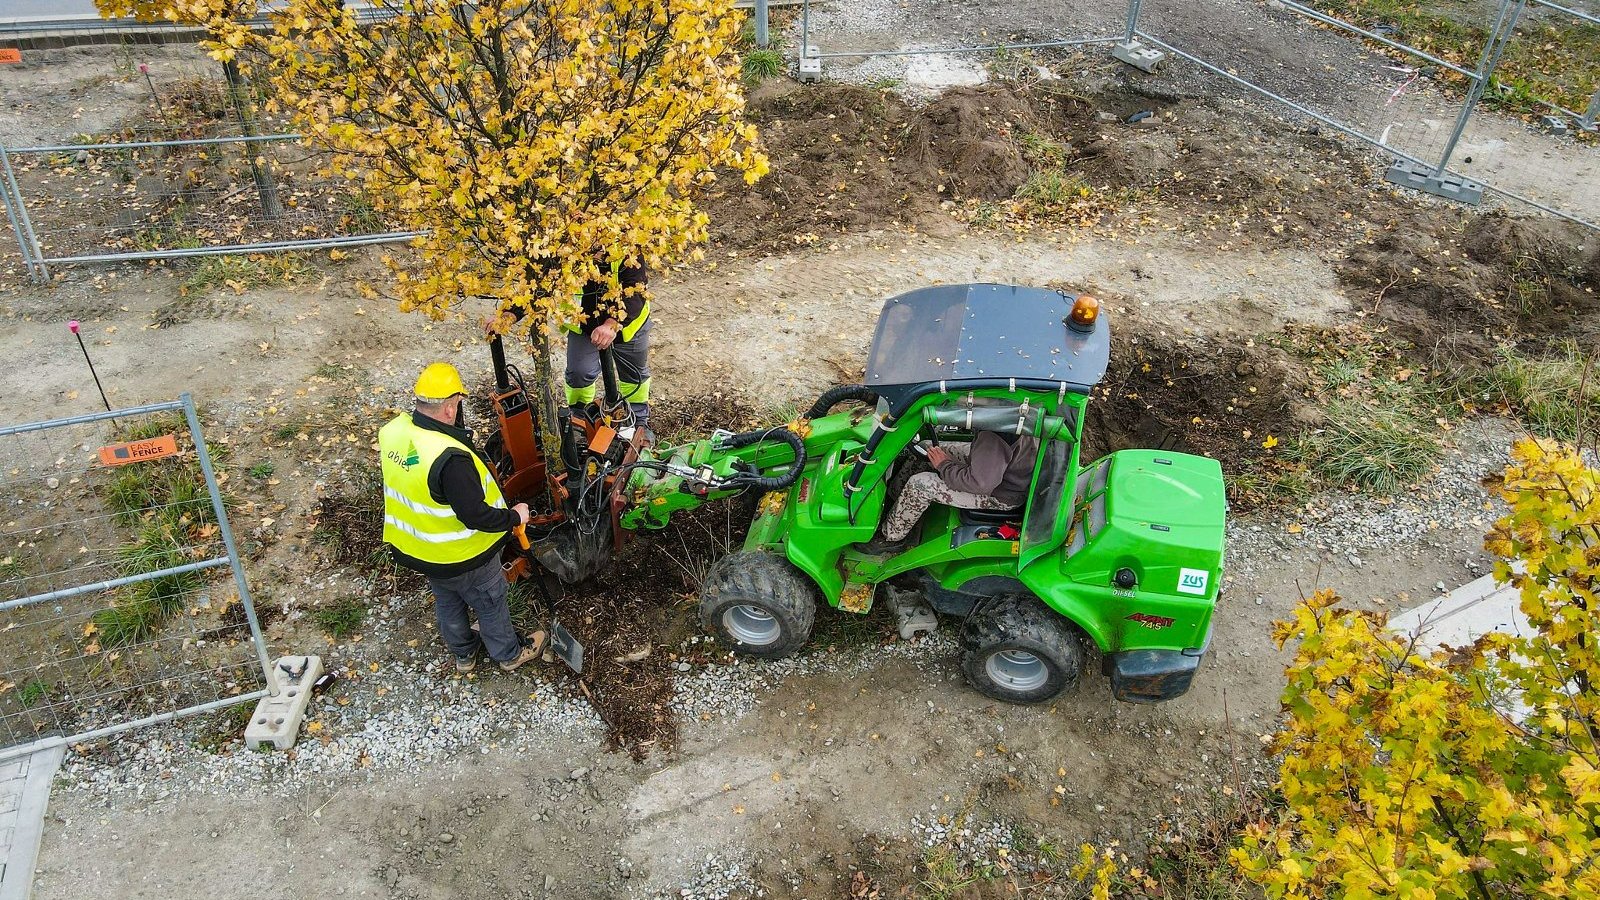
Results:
x,y
622,325
444,516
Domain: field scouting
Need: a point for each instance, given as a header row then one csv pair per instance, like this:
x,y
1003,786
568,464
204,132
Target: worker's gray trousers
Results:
x,y
483,591
633,370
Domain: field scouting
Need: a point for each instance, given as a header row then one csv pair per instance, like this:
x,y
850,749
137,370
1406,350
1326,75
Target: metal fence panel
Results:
x,y
1532,138
1423,108
115,608
140,200
1353,78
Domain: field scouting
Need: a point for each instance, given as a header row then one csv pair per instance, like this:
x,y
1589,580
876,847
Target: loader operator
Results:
x,y
444,516
993,472
628,337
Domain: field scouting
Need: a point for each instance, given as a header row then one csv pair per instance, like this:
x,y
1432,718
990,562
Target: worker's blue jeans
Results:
x,y
483,591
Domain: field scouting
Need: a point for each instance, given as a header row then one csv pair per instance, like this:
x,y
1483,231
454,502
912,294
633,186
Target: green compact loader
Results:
x,y
1124,552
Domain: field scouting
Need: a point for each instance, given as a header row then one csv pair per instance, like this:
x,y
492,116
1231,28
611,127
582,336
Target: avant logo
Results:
x,y
1193,581
1150,621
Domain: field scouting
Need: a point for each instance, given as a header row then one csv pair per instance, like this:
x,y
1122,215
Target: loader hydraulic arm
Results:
x,y
722,465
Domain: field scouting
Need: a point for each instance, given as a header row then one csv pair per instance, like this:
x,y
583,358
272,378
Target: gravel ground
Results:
x,y
358,728
728,692
1356,529
363,732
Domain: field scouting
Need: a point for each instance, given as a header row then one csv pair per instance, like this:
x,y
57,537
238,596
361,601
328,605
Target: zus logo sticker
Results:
x,y
1150,621
1193,581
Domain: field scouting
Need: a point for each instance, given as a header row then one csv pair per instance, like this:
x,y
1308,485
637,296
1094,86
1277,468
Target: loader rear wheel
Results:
x,y
1016,649
759,604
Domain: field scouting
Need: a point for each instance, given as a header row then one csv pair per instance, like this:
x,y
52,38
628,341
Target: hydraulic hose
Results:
x,y
836,395
769,482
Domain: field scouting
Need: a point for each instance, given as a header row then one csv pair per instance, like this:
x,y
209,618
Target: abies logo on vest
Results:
x,y
411,457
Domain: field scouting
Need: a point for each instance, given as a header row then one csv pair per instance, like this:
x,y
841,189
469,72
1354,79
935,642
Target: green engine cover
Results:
x,y
1170,508
1159,515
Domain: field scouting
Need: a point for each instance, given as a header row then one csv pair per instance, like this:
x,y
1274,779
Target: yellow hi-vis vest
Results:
x,y
570,311
413,522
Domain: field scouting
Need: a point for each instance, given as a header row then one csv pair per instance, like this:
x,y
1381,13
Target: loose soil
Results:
x,y
1494,278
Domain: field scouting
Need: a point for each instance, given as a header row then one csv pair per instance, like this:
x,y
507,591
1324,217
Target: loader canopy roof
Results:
x,y
982,335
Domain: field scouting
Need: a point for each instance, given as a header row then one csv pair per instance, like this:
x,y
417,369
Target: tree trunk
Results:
x,y
545,385
266,188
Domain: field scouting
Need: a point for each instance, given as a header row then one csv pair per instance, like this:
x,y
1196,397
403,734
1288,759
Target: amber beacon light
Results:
x,y
1085,312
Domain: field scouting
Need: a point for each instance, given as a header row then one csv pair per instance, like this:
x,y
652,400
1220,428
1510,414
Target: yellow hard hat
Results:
x,y
439,381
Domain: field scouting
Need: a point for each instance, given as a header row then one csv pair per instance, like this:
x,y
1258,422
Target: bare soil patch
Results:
x,y
1457,280
847,158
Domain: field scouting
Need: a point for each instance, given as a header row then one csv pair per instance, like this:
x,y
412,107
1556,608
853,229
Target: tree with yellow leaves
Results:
x,y
533,143
1470,772
228,34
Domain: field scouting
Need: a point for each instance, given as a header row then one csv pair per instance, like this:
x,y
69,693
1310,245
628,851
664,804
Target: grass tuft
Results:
x,y
130,621
33,693
1555,396
1382,445
760,65
243,272
341,618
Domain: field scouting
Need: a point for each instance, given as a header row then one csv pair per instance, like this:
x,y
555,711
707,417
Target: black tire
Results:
x,y
1016,649
758,604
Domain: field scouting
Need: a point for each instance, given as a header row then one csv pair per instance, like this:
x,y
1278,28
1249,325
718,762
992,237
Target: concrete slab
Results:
x,y
1465,614
1424,178
24,795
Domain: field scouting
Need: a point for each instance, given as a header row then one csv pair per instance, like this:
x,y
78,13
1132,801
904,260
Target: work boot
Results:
x,y
466,666
882,546
530,652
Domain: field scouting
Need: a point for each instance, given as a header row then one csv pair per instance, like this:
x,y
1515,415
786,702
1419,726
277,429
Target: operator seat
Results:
x,y
991,516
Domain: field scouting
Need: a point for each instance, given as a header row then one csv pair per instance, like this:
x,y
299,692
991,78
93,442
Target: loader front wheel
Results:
x,y
1016,649
759,604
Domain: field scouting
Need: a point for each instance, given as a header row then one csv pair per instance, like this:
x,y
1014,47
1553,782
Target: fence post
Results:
x,y
1133,19
32,253
1499,38
16,223
761,24
1592,113
204,455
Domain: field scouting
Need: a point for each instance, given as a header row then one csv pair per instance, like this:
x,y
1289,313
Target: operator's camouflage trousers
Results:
x,y
927,488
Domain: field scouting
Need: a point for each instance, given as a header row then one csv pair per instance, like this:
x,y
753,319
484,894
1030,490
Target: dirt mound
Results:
x,y
848,158
1223,400
963,141
630,616
1477,280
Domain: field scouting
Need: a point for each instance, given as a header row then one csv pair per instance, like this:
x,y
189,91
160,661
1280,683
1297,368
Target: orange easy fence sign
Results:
x,y
10,55
139,451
